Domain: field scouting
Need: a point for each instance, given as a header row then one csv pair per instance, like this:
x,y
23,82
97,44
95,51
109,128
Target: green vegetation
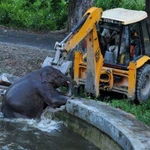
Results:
x,y
140,111
49,14
129,4
33,14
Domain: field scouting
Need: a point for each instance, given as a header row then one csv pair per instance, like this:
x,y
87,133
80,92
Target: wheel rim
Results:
x,y
146,85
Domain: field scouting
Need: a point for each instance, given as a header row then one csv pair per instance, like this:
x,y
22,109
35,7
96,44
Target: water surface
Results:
x,y
46,134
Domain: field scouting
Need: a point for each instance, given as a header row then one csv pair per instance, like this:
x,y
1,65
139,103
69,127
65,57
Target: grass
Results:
x,y
140,111
39,15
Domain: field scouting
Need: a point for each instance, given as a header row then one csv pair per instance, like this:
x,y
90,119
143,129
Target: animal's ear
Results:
x,y
46,78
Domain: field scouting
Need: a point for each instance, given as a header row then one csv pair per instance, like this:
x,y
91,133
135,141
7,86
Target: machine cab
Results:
x,y
123,38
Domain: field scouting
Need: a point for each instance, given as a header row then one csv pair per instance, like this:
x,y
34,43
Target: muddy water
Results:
x,y
44,134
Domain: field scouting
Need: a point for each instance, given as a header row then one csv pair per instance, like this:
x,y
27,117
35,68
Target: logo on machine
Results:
x,y
97,55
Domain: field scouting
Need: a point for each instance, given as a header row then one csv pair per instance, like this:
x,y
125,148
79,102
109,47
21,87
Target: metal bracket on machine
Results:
x,y
64,67
59,61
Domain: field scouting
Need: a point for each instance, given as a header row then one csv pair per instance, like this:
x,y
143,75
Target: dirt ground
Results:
x,y
19,60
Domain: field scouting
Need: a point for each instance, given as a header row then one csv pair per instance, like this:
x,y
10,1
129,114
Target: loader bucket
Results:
x,y
64,67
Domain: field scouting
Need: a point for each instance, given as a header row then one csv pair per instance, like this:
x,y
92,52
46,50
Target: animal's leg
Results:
x,y
52,97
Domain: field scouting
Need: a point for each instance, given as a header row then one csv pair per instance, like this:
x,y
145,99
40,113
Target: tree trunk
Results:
x,y
77,8
147,8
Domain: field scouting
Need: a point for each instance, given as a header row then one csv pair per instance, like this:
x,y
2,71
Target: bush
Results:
x,y
107,4
49,14
33,14
129,4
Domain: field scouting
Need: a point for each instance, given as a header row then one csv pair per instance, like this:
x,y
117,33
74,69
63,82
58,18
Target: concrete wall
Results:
x,y
108,128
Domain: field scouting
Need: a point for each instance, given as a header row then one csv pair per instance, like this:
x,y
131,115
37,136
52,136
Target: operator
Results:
x,y
114,48
109,36
112,39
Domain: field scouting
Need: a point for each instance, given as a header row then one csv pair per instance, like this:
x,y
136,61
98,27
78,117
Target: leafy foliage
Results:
x,y
129,4
107,4
49,14
33,14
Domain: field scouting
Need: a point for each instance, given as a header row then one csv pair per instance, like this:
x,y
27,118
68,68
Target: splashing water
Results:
x,y
43,134
44,124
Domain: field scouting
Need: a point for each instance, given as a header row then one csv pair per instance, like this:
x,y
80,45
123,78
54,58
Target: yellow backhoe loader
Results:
x,y
115,56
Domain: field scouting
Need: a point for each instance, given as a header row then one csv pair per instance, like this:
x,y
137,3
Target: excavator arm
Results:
x,y
79,32
85,28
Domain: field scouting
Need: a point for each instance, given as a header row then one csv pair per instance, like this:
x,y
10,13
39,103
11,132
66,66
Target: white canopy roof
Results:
x,y
125,16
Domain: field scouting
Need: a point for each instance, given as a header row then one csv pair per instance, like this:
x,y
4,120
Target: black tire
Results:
x,y
143,84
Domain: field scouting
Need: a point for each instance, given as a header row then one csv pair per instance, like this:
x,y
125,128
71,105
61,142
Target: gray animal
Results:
x,y
28,97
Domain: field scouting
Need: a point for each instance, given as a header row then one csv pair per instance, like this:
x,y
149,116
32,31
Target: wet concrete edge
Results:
x,y
122,127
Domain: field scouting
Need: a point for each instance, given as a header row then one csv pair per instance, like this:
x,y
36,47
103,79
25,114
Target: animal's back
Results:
x,y
21,97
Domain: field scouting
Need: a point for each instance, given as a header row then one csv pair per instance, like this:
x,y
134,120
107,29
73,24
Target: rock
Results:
x,y
8,78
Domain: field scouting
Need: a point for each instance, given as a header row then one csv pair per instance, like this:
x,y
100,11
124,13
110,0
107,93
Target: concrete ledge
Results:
x,y
129,133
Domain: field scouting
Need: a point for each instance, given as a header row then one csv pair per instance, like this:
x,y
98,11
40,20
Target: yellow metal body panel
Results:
x,y
108,80
132,80
94,15
79,68
118,80
140,62
94,63
82,70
